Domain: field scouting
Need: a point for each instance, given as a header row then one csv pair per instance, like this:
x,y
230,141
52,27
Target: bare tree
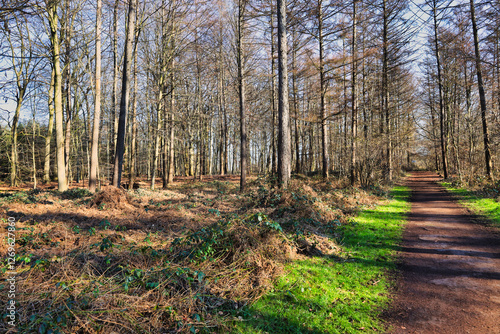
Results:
x,y
22,65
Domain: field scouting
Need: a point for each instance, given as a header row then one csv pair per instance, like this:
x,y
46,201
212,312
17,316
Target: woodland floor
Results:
x,y
450,267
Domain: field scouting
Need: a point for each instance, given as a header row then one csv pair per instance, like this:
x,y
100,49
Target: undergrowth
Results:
x,y
189,259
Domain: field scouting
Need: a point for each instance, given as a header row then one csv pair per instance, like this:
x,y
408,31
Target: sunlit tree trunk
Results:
x,y
58,107
133,140
94,157
48,138
114,98
284,140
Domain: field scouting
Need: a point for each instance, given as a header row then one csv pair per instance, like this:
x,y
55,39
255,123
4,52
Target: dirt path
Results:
x,y
450,267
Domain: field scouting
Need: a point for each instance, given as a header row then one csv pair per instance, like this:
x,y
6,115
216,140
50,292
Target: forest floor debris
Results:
x,y
143,261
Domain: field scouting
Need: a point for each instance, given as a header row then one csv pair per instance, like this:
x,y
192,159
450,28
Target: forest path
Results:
x,y
450,267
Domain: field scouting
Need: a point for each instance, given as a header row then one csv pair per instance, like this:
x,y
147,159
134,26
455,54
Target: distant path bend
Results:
x,y
450,267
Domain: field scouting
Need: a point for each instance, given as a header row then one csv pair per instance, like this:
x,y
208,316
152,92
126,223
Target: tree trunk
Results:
x,y
114,98
440,88
133,140
48,138
171,156
295,103
354,115
324,128
482,95
385,93
284,140
274,164
14,155
94,157
120,140
67,90
157,139
242,102
58,107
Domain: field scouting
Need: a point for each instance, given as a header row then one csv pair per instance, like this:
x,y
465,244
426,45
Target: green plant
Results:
x,y
76,193
76,229
214,211
52,322
105,244
261,218
104,225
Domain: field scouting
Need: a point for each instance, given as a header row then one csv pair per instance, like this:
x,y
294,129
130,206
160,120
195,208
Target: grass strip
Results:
x,y
341,294
487,207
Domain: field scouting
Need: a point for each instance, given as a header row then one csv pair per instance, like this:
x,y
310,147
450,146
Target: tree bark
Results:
x,y
114,98
242,101
58,107
444,153
171,155
133,140
354,115
48,138
324,128
120,140
94,157
385,93
284,140
482,95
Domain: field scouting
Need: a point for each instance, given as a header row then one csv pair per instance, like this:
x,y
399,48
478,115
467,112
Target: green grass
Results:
x,y
489,208
343,294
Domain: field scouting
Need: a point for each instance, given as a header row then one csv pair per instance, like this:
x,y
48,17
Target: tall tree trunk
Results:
x,y
120,140
385,93
274,163
482,95
444,153
114,98
58,107
157,138
242,102
48,138
222,108
67,89
324,128
133,140
295,103
354,115
433,124
94,157
284,140
171,156
13,152
33,156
